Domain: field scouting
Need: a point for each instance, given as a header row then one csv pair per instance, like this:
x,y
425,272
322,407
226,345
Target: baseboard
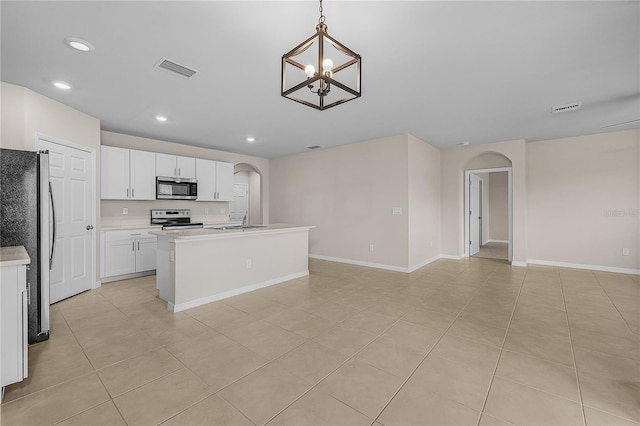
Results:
x,y
421,264
360,263
451,256
204,300
376,265
96,284
585,266
497,241
518,263
128,276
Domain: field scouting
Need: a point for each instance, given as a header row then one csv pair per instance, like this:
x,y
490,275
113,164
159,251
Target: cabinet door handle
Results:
x,y
138,245
175,171
127,192
179,171
132,192
133,246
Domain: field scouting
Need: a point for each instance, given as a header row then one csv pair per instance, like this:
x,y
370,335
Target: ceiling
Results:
x,y
445,72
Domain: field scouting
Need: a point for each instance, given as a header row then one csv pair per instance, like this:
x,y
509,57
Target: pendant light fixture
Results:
x,y
311,67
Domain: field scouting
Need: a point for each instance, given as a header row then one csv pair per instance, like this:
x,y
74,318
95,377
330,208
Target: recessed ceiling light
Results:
x,y
161,118
61,85
78,44
251,139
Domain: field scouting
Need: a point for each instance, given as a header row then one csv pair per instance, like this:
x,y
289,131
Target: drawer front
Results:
x,y
129,234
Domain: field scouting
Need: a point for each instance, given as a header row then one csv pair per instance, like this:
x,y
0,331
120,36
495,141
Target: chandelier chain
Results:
x,y
322,17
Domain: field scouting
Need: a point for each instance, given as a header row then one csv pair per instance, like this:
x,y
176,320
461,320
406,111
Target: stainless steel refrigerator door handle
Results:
x,y
53,238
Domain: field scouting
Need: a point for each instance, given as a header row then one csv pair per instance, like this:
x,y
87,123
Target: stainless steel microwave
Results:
x,y
172,188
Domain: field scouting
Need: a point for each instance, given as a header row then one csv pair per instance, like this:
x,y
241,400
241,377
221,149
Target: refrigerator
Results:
x,y
27,218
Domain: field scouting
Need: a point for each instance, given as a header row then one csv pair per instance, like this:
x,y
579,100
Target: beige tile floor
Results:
x,y
457,342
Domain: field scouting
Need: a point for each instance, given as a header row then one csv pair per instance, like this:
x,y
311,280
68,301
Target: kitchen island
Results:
x,y
199,266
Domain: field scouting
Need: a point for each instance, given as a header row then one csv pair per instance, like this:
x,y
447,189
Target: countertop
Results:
x,y
200,234
159,227
14,255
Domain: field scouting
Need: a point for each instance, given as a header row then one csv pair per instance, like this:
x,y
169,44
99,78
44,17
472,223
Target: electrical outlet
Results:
x,y
206,210
125,210
371,248
397,210
625,251
249,263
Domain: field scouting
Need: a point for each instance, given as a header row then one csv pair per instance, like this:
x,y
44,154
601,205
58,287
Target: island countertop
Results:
x,y
204,233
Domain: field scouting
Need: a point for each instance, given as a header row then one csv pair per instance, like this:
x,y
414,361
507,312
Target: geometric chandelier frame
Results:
x,y
320,82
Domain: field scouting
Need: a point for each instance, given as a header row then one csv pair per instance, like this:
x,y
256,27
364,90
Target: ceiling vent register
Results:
x,y
175,68
566,108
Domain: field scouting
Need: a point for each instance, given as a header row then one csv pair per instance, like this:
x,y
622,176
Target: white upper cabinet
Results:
x,y
127,174
215,180
186,167
142,175
206,176
224,181
114,173
175,166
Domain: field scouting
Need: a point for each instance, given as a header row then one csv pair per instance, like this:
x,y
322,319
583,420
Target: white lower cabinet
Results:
x,y
14,363
127,252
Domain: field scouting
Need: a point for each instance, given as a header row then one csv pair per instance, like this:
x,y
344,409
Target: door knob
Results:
x,y
89,227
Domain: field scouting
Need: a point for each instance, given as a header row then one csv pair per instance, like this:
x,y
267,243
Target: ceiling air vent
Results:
x,y
176,68
565,108
314,147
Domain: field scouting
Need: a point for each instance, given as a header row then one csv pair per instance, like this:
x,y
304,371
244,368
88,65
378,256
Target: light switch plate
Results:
x,y
125,210
625,252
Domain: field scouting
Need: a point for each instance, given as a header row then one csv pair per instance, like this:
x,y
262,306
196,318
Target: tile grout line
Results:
x,y
432,347
573,355
616,307
504,340
337,368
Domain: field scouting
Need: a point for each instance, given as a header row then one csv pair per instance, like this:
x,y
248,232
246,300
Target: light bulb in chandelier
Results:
x,y
310,70
327,65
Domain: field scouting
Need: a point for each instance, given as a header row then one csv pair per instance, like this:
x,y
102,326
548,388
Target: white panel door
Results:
x,y
224,181
206,177
239,206
143,175
71,175
474,214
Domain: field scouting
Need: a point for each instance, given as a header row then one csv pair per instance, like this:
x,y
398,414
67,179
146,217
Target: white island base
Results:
x,y
199,266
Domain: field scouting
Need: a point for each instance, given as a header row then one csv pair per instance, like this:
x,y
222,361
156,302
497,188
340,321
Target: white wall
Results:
x,y
423,201
498,226
583,199
25,114
349,193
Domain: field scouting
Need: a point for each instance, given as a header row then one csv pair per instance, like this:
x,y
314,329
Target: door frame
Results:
x,y
509,205
93,213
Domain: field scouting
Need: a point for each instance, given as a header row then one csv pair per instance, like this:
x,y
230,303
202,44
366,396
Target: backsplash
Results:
x,y
138,211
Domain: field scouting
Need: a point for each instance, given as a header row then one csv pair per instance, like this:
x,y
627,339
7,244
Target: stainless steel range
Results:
x,y
173,219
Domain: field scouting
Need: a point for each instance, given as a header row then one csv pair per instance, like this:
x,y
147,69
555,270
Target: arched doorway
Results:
x,y
488,186
247,194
